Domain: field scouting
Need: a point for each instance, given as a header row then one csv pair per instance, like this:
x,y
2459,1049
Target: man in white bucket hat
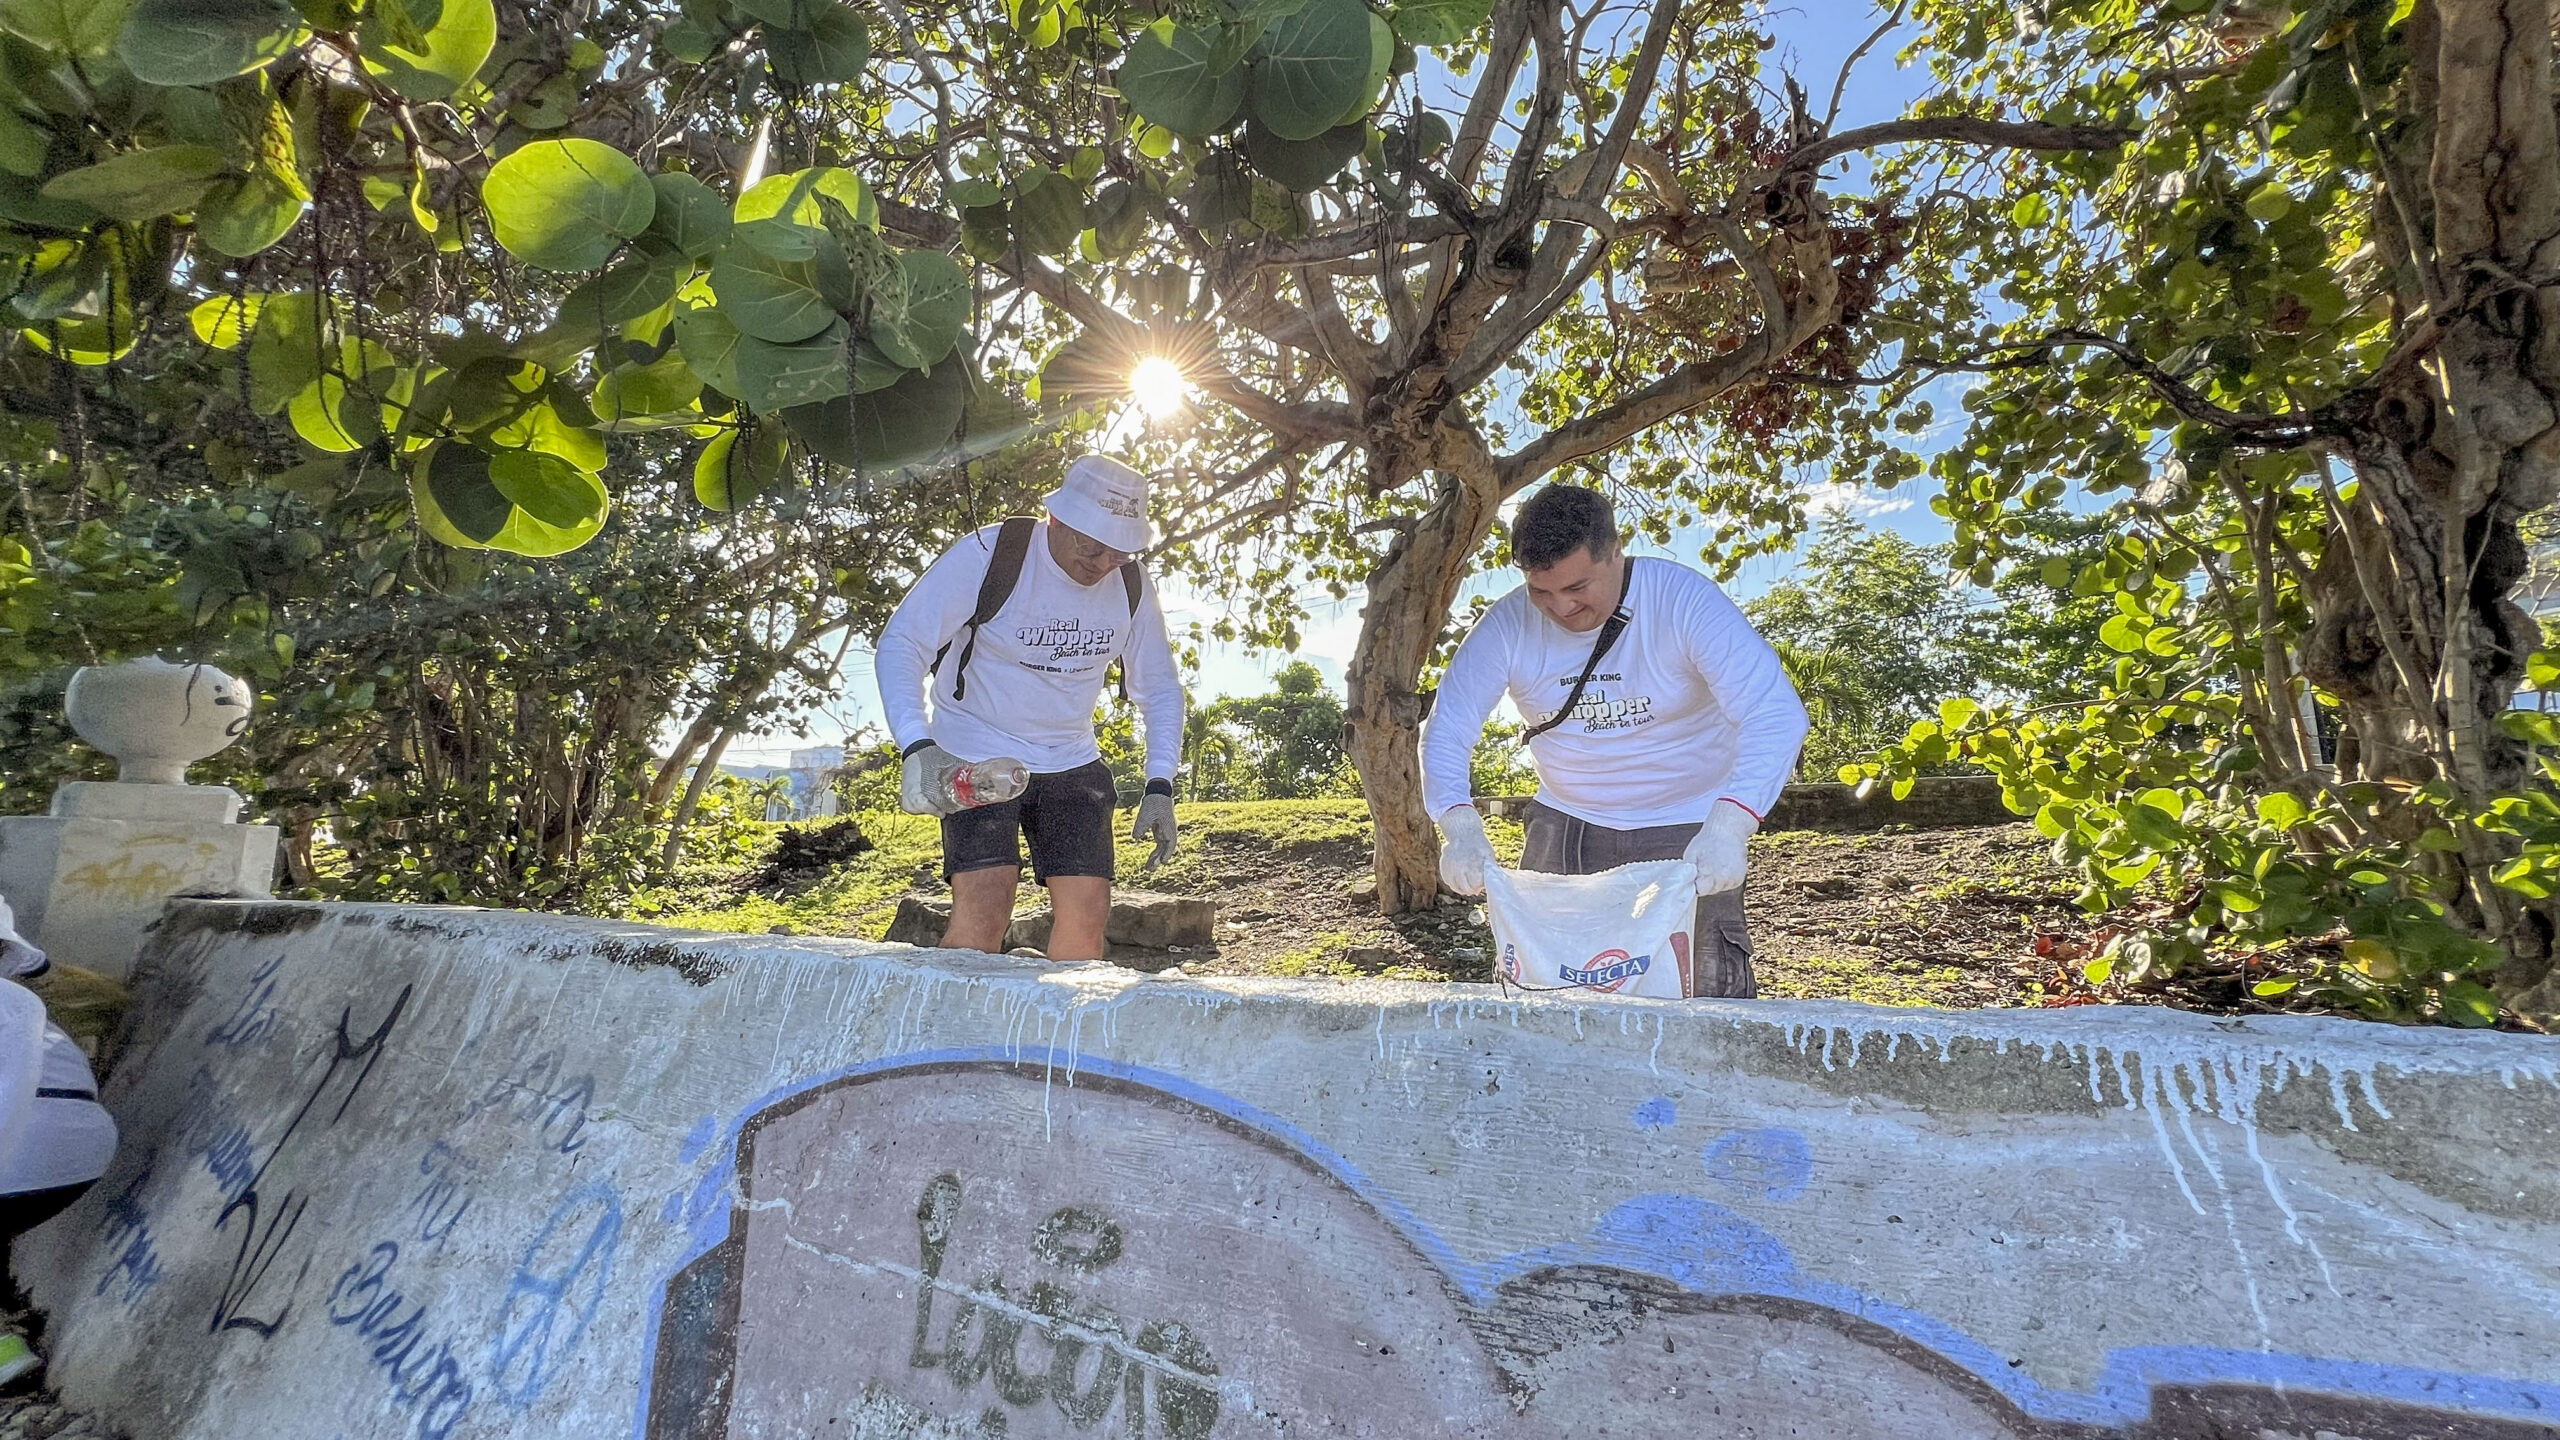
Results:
x,y
999,653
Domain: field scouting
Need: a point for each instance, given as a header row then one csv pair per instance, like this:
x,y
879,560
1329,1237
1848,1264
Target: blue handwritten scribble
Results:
x,y
424,1376
203,1113
231,1160
439,1202
1762,1164
537,1095
254,1018
1656,1114
136,1267
555,1293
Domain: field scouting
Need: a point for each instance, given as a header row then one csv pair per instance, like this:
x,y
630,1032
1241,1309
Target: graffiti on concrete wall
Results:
x,y
258,1295
953,1246
298,1253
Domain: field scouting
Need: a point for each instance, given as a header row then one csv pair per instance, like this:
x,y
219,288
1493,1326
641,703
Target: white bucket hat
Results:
x,y
1106,500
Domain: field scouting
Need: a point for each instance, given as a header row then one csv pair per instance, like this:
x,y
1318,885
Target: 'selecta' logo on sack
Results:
x,y
1608,970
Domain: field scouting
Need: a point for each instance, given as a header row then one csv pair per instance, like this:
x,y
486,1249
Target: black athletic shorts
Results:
x,y
1066,815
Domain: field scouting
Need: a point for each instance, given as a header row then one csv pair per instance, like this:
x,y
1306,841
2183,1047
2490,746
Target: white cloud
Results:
x,y
1855,501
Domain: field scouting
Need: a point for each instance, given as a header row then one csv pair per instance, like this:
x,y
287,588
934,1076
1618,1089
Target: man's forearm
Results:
x,y
898,665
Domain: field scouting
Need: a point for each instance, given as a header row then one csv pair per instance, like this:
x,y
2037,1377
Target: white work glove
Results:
x,y
1465,853
1721,848
1155,822
924,780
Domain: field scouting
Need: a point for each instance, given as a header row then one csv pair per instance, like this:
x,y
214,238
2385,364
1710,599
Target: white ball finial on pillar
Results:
x,y
157,718
88,879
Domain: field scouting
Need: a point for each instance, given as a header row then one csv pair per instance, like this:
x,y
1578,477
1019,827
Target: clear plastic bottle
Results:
x,y
989,782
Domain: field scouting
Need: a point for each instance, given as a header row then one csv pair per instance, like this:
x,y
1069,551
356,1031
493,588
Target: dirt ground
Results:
x,y
1948,917
1963,919
27,1412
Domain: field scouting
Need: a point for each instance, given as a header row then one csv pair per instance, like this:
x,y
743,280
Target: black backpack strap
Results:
x,y
1013,543
1134,580
1610,630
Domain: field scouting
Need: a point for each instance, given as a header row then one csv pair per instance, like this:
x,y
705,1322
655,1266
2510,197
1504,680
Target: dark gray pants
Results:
x,y
1559,844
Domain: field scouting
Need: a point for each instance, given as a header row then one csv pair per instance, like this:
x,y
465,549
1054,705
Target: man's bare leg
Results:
x,y
1078,906
982,908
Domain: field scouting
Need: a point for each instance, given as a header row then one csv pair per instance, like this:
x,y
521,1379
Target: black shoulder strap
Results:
x,y
1135,581
1610,630
1013,542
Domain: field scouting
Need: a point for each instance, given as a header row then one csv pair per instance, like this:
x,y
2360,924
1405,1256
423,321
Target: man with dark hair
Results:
x,y
1662,726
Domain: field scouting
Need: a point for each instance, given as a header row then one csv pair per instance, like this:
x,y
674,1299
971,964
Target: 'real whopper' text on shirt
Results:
x,y
1038,667
1688,708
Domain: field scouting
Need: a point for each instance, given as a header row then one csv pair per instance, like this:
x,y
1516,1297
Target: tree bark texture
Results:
x,y
1410,593
2418,635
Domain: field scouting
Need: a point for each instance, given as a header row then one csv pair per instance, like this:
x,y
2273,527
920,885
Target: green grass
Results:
x,y
860,898
1843,977
1325,955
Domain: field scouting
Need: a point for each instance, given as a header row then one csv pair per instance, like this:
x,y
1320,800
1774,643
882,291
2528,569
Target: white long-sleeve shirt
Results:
x,y
1690,707
49,1135
1038,668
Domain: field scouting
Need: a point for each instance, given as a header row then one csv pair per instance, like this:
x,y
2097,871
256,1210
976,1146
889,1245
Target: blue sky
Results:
x,y
1813,40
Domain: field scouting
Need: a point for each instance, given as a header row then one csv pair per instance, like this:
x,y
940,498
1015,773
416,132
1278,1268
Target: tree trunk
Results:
x,y
1410,593
2418,635
673,855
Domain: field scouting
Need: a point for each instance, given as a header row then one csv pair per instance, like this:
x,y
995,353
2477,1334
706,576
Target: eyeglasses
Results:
x,y
1090,550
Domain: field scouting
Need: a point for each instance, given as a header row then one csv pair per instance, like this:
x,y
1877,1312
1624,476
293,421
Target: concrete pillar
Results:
x,y
87,878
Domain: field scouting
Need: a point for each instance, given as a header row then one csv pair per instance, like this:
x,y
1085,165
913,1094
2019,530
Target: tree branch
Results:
x,y
1841,85
1388,232
1351,357
1961,130
2280,431
1612,152
1684,389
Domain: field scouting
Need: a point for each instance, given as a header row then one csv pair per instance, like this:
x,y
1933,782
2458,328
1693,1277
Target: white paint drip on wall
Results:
x,y
2168,1068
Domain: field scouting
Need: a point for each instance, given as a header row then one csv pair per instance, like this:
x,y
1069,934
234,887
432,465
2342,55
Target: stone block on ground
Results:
x,y
1936,802
1152,920
919,921
1147,930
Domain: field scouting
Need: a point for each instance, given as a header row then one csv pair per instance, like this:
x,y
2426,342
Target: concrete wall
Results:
x,y
1936,802
421,1173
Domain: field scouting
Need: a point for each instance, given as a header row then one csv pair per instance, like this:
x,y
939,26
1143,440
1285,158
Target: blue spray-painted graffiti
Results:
x,y
247,1302
1656,1113
1761,1164
255,1017
231,1160
136,1267
424,1375
699,1138
440,1202
557,1288
535,1094
1705,1249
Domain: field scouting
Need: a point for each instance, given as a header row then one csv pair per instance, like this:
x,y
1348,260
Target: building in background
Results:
x,y
812,772
2539,594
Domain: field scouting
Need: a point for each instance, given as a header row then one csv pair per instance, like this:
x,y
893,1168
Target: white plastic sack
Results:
x,y
1619,932
21,1035
21,1056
